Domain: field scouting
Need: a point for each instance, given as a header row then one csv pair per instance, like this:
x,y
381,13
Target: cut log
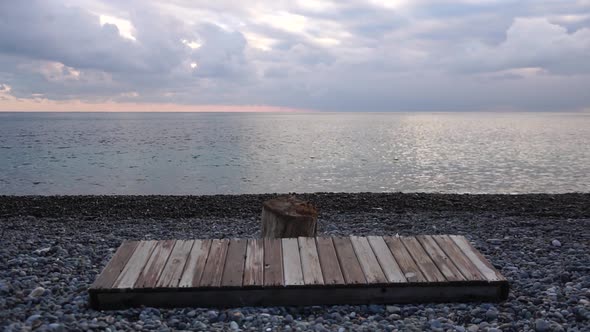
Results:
x,y
288,216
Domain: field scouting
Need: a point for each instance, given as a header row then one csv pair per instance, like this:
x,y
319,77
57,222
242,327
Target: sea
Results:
x,y
243,153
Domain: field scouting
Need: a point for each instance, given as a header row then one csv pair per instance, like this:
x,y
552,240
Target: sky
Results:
x,y
257,55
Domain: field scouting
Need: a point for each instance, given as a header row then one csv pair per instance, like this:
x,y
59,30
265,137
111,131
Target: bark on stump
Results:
x,y
288,216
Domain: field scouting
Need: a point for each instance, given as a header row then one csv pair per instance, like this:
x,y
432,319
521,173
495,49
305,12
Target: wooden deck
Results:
x,y
296,271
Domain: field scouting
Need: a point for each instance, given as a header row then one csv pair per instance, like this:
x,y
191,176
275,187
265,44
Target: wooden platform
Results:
x,y
296,271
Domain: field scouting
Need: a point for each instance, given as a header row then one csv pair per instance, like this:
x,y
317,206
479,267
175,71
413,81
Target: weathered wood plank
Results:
x,y
273,262
114,267
404,259
195,264
172,272
135,265
388,264
233,273
477,258
154,266
148,255
368,261
349,263
215,264
329,261
310,261
292,262
438,256
254,268
465,265
293,296
426,265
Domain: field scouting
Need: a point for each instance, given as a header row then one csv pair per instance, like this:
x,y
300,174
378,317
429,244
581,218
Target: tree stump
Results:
x,y
288,216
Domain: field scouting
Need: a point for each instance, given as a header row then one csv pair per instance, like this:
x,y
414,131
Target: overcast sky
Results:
x,y
414,55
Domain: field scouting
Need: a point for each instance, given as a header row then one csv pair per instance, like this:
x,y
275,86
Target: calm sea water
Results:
x,y
204,153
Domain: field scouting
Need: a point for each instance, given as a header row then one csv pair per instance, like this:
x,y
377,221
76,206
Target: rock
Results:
x,y
234,326
236,316
42,251
473,328
542,325
212,316
556,243
56,327
393,309
191,313
491,314
34,320
37,292
4,287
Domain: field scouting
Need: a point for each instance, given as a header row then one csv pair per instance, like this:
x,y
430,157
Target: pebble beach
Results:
x,y
53,247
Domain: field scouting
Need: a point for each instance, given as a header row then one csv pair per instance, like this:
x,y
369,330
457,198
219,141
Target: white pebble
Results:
x,y
37,292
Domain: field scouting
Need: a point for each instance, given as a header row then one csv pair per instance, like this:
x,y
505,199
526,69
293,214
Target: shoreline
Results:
x,y
572,205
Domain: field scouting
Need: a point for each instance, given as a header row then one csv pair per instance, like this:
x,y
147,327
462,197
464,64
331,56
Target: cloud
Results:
x,y
533,42
326,55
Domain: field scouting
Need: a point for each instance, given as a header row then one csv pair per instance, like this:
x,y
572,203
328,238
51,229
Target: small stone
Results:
x,y
56,327
42,251
236,316
473,328
34,320
212,316
37,292
556,243
191,313
491,314
234,326
435,323
459,328
542,325
393,309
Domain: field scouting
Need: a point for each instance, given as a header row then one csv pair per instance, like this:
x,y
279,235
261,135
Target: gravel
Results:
x,y
53,247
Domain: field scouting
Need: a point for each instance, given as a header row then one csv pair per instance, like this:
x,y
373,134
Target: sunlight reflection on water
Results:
x,y
201,153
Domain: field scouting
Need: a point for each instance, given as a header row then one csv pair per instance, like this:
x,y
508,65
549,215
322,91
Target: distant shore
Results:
x,y
125,206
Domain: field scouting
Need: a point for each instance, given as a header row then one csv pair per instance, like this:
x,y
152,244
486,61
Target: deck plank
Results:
x,y
233,273
254,268
329,261
213,273
426,265
215,264
154,266
172,272
195,264
369,263
388,264
465,265
135,265
292,262
114,267
351,268
310,261
273,262
406,262
442,261
483,265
